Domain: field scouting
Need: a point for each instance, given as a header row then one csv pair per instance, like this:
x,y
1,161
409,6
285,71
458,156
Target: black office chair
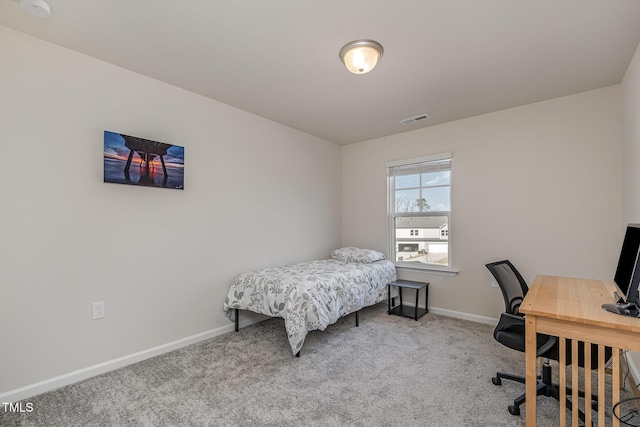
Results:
x,y
510,332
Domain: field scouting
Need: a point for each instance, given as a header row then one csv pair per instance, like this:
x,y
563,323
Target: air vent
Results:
x,y
414,119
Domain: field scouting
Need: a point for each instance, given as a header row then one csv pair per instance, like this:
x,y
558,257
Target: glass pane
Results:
x,y
407,200
408,181
423,239
436,178
436,199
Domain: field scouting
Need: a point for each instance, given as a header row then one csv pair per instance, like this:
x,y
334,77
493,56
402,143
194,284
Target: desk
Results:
x,y
571,308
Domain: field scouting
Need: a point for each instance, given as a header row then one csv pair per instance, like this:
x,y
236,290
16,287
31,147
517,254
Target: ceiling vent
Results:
x,y
414,119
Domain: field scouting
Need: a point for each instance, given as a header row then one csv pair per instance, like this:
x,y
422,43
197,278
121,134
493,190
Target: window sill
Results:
x,y
443,271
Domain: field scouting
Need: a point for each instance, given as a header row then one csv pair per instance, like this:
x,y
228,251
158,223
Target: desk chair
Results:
x,y
510,332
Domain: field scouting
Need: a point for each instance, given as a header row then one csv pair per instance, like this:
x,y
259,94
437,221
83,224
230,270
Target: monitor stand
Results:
x,y
622,308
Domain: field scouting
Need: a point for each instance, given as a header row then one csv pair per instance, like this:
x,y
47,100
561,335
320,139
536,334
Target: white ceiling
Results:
x,y
450,59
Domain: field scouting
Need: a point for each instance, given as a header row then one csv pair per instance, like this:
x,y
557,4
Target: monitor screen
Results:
x,y
632,292
628,261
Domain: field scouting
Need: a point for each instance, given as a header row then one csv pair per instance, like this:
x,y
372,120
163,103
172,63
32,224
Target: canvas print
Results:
x,y
138,161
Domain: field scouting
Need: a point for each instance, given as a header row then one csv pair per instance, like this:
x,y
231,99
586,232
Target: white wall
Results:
x,y
161,259
540,185
631,148
631,156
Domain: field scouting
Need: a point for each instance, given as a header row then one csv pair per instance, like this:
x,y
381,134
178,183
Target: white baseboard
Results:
x,y
91,371
464,316
457,314
31,390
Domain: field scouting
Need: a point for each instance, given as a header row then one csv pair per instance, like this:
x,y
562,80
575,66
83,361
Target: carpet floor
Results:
x,y
389,371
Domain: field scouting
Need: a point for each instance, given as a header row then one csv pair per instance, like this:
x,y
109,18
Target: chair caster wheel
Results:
x,y
514,410
496,381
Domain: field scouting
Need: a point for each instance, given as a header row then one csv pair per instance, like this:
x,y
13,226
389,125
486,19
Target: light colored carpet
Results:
x,y
389,371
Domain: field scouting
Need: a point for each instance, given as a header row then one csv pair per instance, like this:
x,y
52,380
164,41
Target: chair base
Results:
x,y
544,388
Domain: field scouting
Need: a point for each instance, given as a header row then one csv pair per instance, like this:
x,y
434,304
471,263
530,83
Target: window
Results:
x,y
420,211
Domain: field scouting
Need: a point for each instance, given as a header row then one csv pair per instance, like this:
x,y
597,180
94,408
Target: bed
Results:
x,y
315,294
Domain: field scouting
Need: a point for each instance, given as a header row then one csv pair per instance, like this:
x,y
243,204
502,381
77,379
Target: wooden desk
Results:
x,y
571,308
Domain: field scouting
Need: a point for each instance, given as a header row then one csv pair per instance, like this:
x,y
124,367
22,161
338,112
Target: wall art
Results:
x,y
138,161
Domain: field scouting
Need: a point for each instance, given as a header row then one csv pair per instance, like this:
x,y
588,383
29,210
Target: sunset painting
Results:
x,y
138,161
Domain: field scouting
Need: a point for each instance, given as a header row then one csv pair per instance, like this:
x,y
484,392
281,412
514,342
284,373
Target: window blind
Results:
x,y
433,163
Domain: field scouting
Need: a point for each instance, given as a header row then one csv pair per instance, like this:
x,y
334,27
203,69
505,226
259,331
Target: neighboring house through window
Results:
x,y
420,211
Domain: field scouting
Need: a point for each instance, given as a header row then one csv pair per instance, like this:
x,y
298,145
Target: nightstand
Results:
x,y
413,312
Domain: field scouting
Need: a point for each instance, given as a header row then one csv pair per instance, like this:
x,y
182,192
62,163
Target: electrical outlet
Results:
x,y
98,309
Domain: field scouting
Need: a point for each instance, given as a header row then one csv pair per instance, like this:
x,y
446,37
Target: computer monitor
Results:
x,y
625,277
632,292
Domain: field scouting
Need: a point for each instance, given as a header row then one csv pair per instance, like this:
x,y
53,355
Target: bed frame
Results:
x,y
237,310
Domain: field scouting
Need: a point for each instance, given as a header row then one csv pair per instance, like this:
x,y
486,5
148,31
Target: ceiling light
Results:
x,y
39,8
360,56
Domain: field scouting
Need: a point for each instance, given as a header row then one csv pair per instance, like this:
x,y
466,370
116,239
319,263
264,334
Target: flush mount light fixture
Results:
x,y
360,56
39,8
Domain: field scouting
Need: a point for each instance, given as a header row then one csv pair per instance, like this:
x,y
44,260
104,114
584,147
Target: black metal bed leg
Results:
x,y
237,319
357,318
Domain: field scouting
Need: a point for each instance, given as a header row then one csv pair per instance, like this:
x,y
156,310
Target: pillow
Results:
x,y
351,254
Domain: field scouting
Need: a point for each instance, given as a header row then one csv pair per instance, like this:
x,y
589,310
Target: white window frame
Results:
x,y
392,215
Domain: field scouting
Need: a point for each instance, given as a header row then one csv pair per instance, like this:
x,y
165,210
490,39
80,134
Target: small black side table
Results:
x,y
413,312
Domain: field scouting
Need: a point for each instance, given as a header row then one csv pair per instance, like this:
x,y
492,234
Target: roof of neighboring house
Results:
x,y
421,222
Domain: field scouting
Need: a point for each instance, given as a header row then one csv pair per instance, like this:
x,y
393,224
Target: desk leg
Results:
x,y
602,387
531,380
562,344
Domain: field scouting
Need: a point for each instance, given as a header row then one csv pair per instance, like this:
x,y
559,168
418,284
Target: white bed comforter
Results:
x,y
310,295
